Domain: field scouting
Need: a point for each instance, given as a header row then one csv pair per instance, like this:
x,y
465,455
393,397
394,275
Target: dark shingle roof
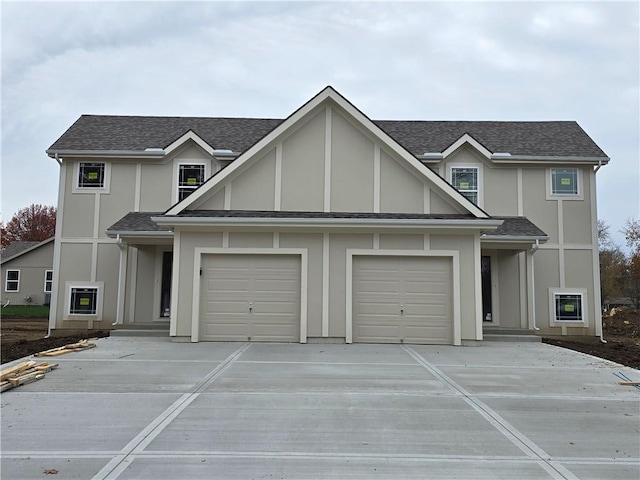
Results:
x,y
105,132
17,248
516,227
141,221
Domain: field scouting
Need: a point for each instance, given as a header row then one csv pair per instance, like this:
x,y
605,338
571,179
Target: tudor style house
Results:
x,y
326,226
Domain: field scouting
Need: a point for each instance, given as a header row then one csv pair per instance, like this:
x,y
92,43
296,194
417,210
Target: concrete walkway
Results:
x,y
146,408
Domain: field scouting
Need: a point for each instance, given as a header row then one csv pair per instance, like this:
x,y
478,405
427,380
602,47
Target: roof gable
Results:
x,y
328,99
17,249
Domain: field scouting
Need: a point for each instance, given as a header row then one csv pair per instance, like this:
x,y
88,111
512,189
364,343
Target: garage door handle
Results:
x,y
401,309
250,307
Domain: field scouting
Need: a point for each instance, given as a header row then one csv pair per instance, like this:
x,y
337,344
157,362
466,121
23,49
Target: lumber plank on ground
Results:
x,y
72,347
5,385
631,384
24,379
12,371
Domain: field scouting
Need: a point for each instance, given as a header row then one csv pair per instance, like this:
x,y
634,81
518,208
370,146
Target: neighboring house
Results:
x,y
327,226
26,270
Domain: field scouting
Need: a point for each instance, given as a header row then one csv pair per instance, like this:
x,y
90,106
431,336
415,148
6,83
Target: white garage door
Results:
x,y
402,300
250,297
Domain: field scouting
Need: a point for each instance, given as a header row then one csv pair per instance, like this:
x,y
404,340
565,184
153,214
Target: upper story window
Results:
x,y
12,281
190,177
564,181
465,180
91,175
48,281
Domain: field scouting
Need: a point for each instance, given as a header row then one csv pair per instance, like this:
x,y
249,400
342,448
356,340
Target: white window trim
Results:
x,y
47,281
176,174
582,292
69,286
106,188
564,196
6,280
478,167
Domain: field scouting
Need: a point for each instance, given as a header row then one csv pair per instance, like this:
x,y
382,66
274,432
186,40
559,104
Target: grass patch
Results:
x,y
25,311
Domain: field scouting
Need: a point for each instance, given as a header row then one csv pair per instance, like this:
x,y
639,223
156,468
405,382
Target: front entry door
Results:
x,y
487,307
165,286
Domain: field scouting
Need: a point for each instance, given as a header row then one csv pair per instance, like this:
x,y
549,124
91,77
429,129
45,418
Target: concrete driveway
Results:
x,y
146,408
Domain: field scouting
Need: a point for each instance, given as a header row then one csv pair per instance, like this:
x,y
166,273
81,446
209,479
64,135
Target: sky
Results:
x,y
393,60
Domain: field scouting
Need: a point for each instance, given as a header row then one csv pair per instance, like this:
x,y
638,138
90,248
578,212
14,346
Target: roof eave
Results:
x,y
549,159
155,153
139,233
515,238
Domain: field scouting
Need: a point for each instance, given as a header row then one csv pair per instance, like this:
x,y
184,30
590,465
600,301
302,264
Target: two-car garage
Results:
x,y
258,297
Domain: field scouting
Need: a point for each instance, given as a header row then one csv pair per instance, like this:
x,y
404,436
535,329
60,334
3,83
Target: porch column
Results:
x,y
122,281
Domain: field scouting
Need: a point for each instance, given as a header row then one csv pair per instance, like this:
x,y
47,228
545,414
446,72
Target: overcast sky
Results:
x,y
411,60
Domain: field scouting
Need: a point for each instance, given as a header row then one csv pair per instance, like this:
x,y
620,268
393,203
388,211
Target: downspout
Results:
x,y
58,160
602,340
533,285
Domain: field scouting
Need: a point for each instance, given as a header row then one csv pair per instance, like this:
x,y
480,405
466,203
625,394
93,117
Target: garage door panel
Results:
x,y
250,297
414,304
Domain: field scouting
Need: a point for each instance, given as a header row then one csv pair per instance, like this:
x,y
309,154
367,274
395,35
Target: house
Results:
x,y
326,227
27,272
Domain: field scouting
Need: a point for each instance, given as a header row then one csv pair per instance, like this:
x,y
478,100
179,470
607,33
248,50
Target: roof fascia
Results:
x,y
154,153
514,238
482,224
27,250
548,159
138,233
466,139
189,135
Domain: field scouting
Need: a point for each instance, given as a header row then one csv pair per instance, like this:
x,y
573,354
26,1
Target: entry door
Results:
x,y
487,302
250,298
402,300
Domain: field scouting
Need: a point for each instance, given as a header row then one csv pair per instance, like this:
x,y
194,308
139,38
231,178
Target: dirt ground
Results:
x,y
22,337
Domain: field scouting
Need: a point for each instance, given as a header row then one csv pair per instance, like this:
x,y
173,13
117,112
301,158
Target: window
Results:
x,y
190,177
564,181
84,301
465,180
12,283
91,175
568,307
48,281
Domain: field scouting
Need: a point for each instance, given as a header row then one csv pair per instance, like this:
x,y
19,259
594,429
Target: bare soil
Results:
x,y
622,333
23,337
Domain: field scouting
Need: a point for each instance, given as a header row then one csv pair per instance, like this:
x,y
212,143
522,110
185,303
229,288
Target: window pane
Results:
x,y
568,308
83,301
13,274
12,283
564,181
190,177
91,175
465,178
48,281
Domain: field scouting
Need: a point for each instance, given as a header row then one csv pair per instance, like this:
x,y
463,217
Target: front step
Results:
x,y
147,329
497,334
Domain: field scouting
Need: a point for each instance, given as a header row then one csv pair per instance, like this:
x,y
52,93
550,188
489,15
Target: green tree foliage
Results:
x,y
34,223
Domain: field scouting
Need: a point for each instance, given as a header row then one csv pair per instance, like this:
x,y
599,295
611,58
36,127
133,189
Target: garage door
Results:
x,y
402,300
250,297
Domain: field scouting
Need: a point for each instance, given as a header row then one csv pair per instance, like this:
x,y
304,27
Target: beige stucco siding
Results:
x,y
313,243
107,271
254,188
542,212
303,155
251,240
351,168
500,190
78,215
508,289
400,190
121,197
153,196
401,242
144,295
547,275
464,244
439,205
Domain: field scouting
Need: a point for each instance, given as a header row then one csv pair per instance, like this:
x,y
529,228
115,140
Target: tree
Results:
x,y
631,233
613,263
34,223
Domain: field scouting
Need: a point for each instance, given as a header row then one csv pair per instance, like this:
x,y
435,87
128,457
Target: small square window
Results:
x,y
12,281
564,181
190,177
568,307
91,175
465,180
84,301
48,281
